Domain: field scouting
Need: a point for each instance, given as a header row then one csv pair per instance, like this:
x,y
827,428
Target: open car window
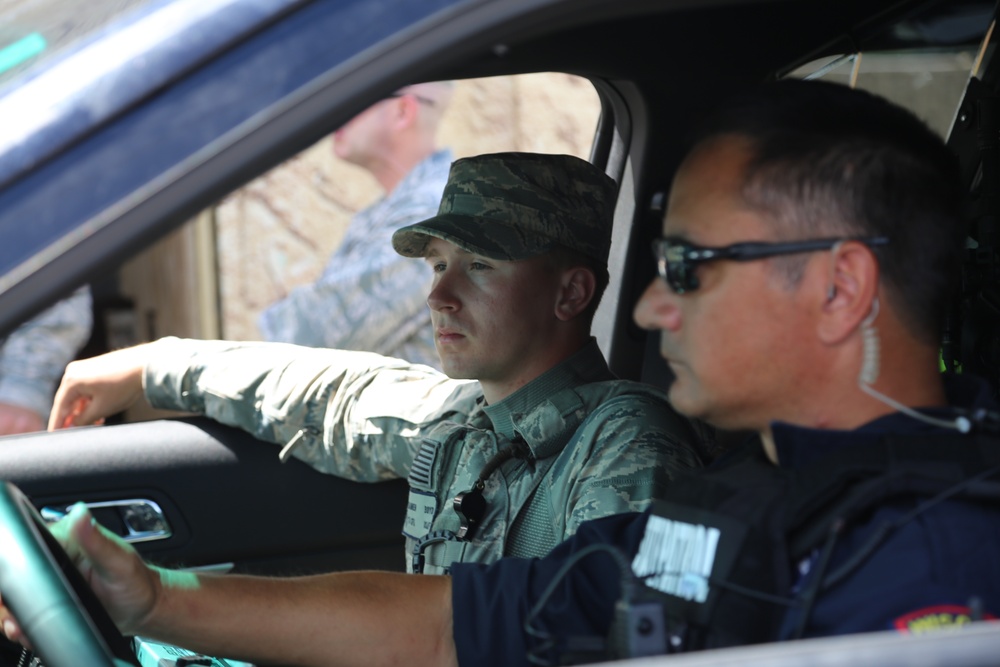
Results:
x,y
279,231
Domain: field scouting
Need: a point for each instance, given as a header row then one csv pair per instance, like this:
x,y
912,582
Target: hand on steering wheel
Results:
x,y
55,609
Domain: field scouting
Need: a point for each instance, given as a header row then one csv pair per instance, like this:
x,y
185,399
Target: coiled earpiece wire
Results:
x,y
870,360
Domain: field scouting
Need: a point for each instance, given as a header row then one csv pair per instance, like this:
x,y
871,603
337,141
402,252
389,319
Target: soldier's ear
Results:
x,y
576,290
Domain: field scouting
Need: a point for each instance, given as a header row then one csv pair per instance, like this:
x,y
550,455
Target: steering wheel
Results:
x,y
57,610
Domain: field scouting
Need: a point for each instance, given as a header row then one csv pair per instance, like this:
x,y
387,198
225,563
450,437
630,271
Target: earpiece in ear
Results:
x,y
831,291
869,373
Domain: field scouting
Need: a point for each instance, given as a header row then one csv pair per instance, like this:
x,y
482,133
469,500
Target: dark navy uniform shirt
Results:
x,y
936,569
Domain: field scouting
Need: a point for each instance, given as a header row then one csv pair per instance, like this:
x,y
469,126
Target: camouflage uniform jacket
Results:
x,y
369,297
370,418
34,356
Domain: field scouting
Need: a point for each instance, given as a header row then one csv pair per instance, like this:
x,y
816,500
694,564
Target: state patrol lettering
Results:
x,y
676,558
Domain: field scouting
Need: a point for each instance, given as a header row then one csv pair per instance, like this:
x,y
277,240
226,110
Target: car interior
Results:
x,y
102,186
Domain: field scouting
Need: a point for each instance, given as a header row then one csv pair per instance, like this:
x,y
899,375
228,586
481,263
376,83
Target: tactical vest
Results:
x,y
718,555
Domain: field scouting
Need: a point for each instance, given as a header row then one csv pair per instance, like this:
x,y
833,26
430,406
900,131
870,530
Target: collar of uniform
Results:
x,y
798,446
547,410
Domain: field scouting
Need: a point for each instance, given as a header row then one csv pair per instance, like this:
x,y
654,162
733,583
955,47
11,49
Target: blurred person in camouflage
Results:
x,y
368,297
509,465
33,358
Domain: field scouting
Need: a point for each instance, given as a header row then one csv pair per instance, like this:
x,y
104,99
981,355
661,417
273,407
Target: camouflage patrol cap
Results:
x,y
518,205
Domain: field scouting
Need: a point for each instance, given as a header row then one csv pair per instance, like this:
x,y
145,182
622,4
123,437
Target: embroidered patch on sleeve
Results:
x,y
937,617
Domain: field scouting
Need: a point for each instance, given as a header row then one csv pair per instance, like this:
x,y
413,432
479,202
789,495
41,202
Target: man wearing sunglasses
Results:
x,y
368,297
789,303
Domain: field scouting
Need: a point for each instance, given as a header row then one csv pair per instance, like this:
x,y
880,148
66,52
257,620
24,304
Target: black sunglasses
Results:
x,y
677,259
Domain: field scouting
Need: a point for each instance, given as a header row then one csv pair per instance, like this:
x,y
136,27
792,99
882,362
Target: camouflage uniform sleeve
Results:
x,y
372,304
34,357
625,456
353,414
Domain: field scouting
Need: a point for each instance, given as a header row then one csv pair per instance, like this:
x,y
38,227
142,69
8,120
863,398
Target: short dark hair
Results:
x,y
828,160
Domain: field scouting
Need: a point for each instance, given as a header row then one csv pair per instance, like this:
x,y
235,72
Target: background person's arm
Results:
x,y
33,358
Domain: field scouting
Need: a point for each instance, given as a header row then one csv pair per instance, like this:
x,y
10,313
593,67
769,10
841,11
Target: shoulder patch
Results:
x,y
936,617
